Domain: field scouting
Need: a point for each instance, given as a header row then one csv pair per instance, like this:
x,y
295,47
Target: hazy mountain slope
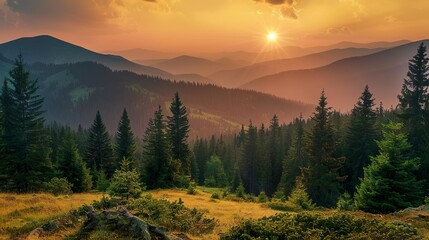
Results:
x,y
342,45
344,80
240,76
189,64
47,49
74,92
143,54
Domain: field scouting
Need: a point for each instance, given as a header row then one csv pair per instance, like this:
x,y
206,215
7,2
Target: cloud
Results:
x,y
338,30
59,12
288,8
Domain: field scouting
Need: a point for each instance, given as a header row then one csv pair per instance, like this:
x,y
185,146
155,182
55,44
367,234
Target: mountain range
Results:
x,y
344,79
75,90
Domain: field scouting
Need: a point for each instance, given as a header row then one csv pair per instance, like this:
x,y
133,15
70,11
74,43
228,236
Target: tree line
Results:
x,y
376,158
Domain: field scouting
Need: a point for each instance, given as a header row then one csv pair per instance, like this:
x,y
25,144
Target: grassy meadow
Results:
x,y
21,213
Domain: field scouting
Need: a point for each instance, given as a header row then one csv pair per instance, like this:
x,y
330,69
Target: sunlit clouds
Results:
x,y
212,25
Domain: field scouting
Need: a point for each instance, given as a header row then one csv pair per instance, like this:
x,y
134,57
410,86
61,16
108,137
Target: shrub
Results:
x,y
299,196
283,206
192,189
125,182
215,196
315,226
240,191
280,196
345,202
173,216
262,198
58,186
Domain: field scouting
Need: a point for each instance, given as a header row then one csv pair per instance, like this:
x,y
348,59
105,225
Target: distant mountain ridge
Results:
x,y
345,79
240,76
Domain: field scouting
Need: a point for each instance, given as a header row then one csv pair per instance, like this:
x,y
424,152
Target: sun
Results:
x,y
272,37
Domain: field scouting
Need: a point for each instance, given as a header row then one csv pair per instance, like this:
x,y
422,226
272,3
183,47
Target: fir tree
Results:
x,y
125,143
294,160
72,166
159,166
360,140
99,153
125,182
414,107
178,130
321,176
25,141
275,155
389,184
249,164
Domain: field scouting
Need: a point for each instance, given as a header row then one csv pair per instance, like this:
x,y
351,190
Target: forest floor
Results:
x,y
19,214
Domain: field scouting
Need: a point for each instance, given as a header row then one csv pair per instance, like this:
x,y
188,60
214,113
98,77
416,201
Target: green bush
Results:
x,y
125,182
192,189
263,198
283,206
299,196
315,226
215,196
346,203
240,191
173,216
59,186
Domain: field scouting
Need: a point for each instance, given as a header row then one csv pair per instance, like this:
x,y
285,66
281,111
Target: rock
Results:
x,y
124,222
35,234
400,223
51,225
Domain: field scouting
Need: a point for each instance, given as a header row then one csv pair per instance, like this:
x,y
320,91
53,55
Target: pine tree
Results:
x,y
294,160
24,138
72,166
321,176
99,153
125,143
275,155
125,182
414,107
178,130
249,165
159,167
6,126
389,183
360,140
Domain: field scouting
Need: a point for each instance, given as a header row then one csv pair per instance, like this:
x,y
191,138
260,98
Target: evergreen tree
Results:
x,y
249,165
215,174
275,155
6,126
25,141
389,184
125,182
72,166
294,160
159,166
321,175
201,157
360,140
178,130
414,107
99,153
125,143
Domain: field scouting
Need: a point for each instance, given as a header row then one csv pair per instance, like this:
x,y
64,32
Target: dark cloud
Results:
x,y
287,7
42,12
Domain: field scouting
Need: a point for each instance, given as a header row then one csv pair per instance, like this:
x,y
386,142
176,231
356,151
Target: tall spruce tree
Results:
x,y
125,142
321,175
294,160
360,140
99,153
389,183
6,133
25,141
275,155
159,167
414,107
178,130
249,165
72,166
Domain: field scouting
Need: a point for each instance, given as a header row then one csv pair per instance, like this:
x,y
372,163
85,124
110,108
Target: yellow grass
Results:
x,y
228,213
17,210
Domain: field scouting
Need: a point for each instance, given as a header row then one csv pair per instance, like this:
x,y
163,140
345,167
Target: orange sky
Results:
x,y
213,25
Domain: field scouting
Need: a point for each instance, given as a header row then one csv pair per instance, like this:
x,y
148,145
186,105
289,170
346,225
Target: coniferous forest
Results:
x,y
371,159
